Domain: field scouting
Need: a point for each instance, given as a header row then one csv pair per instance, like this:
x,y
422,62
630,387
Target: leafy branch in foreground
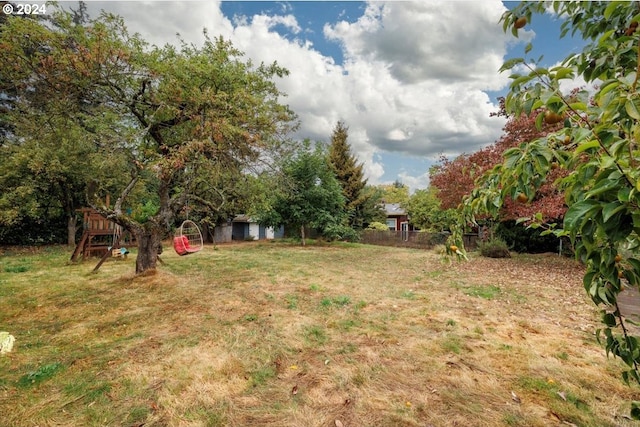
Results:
x,y
598,147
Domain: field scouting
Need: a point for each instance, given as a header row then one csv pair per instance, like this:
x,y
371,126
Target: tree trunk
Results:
x,y
71,230
302,234
149,244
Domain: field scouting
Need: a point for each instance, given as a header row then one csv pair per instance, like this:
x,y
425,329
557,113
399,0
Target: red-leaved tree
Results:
x,y
456,178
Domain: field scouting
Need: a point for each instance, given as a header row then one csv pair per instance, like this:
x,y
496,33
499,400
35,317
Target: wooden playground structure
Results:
x,y
101,237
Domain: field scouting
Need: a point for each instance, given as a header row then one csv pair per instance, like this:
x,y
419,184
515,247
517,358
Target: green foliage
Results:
x,y
494,248
146,211
425,212
35,231
41,374
124,118
350,176
315,334
597,145
523,239
372,207
261,377
310,195
16,268
488,292
379,226
394,193
341,232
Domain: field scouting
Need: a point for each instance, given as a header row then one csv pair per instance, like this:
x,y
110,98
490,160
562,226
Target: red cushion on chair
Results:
x,y
181,244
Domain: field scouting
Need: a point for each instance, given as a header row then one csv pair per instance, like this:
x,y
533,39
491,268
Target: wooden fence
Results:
x,y
413,239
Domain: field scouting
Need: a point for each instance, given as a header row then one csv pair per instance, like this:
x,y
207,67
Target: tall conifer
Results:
x,y
351,177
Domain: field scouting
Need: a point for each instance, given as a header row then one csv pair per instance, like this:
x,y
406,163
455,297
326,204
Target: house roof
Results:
x,y
243,218
394,209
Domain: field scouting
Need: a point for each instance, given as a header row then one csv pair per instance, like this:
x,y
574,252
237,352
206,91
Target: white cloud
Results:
x,y
413,81
159,22
420,70
414,182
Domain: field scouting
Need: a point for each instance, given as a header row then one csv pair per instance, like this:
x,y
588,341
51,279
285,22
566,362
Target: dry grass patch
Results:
x,y
268,334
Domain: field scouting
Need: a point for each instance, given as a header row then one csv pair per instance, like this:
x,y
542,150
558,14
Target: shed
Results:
x,y
246,228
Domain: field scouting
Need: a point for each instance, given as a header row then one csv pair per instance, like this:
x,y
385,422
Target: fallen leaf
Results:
x,y
563,395
339,423
294,390
515,397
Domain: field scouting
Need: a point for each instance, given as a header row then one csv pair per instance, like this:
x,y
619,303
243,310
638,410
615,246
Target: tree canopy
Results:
x,y
397,192
310,196
455,179
425,211
168,113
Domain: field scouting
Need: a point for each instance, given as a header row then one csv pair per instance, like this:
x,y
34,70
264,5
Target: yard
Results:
x,y
272,334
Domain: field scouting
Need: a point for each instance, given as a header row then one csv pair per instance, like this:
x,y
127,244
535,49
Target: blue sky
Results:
x,y
412,80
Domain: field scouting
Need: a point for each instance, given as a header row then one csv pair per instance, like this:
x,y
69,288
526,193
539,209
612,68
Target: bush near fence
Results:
x,y
413,239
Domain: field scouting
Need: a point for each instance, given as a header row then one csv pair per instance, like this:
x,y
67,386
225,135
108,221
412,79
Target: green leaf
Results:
x,y
519,81
528,48
564,72
587,145
632,109
602,186
578,212
578,106
609,319
509,64
623,194
539,121
609,10
635,410
604,38
618,147
611,209
607,86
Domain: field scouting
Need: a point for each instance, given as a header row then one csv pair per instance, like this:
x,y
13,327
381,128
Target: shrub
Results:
x,y
341,232
526,240
378,226
494,248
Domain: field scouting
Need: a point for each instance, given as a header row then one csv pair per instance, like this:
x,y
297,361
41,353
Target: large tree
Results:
x,y
598,143
44,160
350,175
44,168
425,211
170,112
455,179
309,194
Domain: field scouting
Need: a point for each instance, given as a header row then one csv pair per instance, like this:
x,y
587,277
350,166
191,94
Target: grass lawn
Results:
x,y
271,334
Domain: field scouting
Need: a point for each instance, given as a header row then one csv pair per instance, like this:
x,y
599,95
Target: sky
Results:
x,y
412,80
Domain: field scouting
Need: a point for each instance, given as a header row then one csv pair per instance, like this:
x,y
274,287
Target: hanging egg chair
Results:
x,y
188,239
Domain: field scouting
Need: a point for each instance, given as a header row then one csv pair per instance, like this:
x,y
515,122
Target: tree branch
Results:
x,y
117,208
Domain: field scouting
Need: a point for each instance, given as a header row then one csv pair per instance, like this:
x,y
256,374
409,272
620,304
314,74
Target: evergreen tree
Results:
x,y
350,176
